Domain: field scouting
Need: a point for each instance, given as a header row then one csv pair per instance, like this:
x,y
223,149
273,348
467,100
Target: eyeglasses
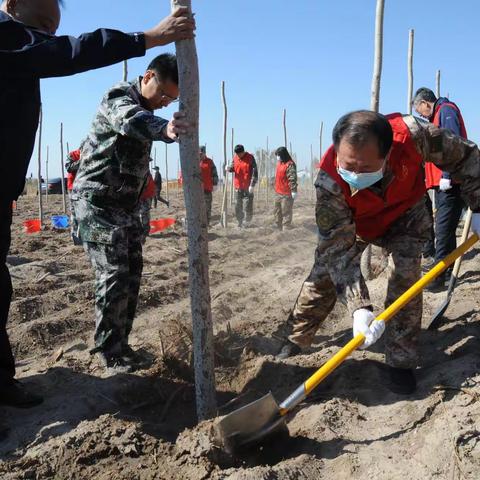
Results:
x,y
164,95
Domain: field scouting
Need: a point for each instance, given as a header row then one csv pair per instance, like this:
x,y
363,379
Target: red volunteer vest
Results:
x,y
150,189
207,172
373,215
75,156
432,173
282,187
242,168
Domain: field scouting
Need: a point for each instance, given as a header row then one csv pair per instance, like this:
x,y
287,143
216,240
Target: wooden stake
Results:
x,y
224,210
285,127
46,177
410,71
377,65
155,157
39,173
438,83
125,71
197,229
64,193
166,170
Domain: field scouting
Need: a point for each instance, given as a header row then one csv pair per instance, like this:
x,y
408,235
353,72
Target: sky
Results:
x,y
313,58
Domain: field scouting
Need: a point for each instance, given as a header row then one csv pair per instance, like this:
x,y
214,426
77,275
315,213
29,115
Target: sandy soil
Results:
x,y
143,425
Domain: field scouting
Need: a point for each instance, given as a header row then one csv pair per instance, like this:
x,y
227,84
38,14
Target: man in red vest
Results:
x,y
448,201
72,166
285,188
209,179
370,189
245,172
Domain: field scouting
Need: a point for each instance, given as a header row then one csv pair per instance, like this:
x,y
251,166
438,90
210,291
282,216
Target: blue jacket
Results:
x,y
26,56
448,120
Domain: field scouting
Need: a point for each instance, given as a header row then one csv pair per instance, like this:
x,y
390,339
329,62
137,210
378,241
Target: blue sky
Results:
x,y
312,57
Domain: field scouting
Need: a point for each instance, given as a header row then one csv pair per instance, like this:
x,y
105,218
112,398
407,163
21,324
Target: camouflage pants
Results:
x,y
112,239
144,211
283,210
403,243
208,205
242,195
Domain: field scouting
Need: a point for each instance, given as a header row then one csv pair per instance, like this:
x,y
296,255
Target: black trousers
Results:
x,y
449,206
429,247
7,363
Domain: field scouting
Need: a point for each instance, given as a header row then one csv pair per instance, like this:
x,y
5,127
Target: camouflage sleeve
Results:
x,y
450,153
214,174
292,177
128,118
71,165
337,248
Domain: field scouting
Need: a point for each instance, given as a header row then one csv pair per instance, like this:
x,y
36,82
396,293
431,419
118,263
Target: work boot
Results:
x,y
17,395
401,380
289,349
133,357
115,363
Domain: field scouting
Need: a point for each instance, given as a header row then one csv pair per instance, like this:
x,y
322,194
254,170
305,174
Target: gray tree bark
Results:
x,y
224,212
39,171
437,82
411,36
377,64
46,176
166,171
197,228
125,71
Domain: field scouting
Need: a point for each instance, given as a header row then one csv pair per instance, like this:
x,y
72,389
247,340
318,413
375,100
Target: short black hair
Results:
x,y
282,152
165,65
239,149
359,127
424,94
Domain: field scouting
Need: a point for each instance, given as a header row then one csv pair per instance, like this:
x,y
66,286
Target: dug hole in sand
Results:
x,y
143,425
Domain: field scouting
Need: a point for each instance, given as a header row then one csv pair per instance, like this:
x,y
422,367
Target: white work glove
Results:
x,y
364,322
294,194
476,223
445,184
250,189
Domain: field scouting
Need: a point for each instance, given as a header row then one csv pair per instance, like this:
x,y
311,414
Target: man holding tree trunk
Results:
x,y
113,174
29,51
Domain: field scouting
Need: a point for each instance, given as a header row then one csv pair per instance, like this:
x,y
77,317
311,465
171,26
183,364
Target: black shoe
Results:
x,y
116,363
289,349
16,395
437,285
133,357
401,380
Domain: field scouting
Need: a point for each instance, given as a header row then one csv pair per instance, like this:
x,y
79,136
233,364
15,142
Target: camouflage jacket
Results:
x,y
115,157
337,248
292,177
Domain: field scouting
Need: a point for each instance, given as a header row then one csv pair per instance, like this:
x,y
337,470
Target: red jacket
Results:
x,y
73,157
373,215
282,185
243,169
206,168
432,173
150,189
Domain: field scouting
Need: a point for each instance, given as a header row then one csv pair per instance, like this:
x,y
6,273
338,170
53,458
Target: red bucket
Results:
x,y
32,226
161,224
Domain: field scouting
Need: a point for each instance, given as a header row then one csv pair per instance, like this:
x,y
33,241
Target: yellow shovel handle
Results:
x,y
387,314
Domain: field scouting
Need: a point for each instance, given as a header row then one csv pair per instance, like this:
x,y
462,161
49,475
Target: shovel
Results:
x,y
253,422
453,279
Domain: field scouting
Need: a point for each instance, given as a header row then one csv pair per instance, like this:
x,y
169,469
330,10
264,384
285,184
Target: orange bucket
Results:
x,y
161,224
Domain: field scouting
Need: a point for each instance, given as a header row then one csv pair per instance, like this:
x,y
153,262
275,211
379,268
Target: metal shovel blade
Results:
x,y
250,423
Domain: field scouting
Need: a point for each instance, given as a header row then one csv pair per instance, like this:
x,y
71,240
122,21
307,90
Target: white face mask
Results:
x,y
279,159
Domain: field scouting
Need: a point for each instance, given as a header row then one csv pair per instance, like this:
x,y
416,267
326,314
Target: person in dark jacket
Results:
x,y
157,179
448,201
30,51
